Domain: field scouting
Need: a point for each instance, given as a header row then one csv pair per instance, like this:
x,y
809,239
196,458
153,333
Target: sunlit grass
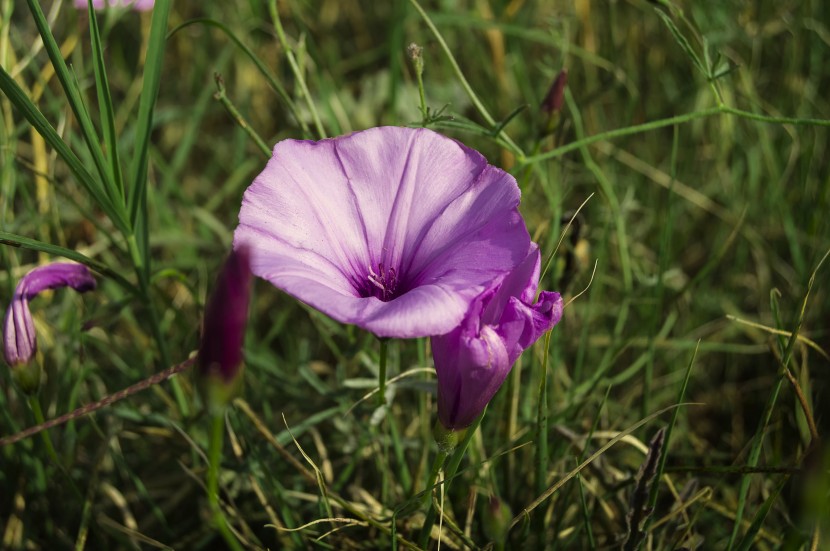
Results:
x,y
702,135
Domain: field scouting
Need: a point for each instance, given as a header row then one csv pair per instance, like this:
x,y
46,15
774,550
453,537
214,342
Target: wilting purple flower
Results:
x,y
19,337
138,5
473,360
226,315
392,229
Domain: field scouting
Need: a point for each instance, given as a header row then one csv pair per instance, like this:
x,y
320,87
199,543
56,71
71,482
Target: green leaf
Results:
x,y
137,199
76,103
105,104
15,240
32,114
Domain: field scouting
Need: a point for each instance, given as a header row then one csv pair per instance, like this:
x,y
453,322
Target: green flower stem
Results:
x,y
217,434
429,521
384,352
661,123
451,468
34,403
440,459
37,411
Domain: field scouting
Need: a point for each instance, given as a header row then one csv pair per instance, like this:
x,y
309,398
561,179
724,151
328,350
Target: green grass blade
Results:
x,y
29,110
748,540
105,107
15,240
73,95
661,467
137,198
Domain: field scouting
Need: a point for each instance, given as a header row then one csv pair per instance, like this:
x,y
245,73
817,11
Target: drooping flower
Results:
x,y
19,337
392,229
473,360
138,5
223,331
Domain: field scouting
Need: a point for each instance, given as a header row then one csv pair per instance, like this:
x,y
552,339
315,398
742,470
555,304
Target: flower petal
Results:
x,y
19,337
470,373
325,215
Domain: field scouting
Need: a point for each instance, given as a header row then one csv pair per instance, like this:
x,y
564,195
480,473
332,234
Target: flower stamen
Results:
x,y
385,281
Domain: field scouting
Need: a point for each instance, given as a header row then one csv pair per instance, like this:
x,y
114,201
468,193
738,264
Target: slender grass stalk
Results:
x,y
272,79
37,411
217,434
295,68
485,114
542,423
611,197
451,465
661,467
758,439
662,266
384,352
670,121
222,98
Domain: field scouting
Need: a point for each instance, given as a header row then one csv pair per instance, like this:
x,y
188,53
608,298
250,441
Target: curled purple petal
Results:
x,y
395,230
226,316
19,337
473,360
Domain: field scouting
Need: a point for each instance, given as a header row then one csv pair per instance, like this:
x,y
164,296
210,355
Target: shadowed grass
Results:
x,y
702,133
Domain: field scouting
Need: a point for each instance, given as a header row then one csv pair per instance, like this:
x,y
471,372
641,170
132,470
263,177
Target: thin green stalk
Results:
x,y
542,424
451,467
295,68
37,411
384,343
614,203
463,80
222,98
400,457
158,335
662,266
217,434
662,123
437,464
758,440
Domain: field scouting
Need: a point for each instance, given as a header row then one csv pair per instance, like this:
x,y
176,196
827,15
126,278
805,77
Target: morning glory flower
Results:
x,y
473,360
223,332
395,230
138,5
19,337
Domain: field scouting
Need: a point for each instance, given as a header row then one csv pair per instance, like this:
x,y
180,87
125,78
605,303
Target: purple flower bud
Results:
x,y
473,360
555,97
138,5
226,315
19,337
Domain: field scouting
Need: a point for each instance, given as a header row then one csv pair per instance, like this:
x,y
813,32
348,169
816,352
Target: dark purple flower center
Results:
x,y
381,283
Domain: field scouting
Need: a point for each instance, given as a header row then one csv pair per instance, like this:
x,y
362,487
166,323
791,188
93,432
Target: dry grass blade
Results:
x,y
553,489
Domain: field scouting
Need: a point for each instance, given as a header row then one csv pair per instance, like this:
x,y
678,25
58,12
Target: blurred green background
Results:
x,y
704,230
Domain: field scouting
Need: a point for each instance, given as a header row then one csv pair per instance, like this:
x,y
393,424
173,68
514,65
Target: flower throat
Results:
x,y
381,284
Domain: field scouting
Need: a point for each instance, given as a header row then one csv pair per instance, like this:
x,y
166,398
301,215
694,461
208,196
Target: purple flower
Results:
x,y
226,315
392,229
138,5
473,360
19,337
